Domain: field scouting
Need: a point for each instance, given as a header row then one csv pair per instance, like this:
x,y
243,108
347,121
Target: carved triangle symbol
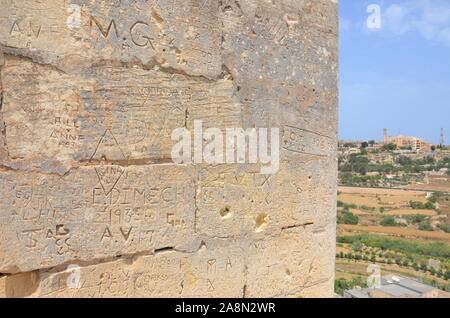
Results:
x,y
108,148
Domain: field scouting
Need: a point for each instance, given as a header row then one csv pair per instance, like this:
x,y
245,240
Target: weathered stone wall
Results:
x,y
91,203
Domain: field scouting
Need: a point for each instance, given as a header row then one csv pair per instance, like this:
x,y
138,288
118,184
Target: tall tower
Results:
x,y
442,141
385,134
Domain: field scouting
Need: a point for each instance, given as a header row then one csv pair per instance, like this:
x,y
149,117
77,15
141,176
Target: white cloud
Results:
x,y
429,18
396,19
344,24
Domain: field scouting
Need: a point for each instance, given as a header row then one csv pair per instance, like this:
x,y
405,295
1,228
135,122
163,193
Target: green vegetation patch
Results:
x,y
340,285
347,218
433,249
444,227
390,221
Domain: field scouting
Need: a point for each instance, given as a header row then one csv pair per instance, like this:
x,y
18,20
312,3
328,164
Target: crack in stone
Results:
x,y
164,249
244,291
105,260
9,50
245,287
9,166
296,226
299,289
3,124
196,209
152,65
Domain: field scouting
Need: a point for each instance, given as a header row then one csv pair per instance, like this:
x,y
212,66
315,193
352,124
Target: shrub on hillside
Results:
x,y
444,227
390,221
425,226
348,218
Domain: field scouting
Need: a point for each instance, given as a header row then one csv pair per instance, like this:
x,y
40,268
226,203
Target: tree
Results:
x,y
348,218
389,147
444,227
434,197
425,226
417,218
389,221
357,163
404,161
357,246
340,285
447,274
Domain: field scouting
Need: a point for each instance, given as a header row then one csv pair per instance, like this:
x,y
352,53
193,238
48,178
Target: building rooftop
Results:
x,y
407,283
398,291
394,286
358,293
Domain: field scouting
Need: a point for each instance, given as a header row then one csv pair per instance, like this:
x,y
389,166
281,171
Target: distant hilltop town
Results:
x,y
398,142
414,143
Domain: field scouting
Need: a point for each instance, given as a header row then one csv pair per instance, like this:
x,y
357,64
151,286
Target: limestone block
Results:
x,y
290,268
93,213
19,285
181,34
272,267
239,201
213,271
113,113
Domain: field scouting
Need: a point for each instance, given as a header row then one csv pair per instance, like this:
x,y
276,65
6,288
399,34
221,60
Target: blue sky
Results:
x,y
396,76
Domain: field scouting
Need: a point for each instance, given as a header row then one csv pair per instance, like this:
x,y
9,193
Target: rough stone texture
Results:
x,y
86,176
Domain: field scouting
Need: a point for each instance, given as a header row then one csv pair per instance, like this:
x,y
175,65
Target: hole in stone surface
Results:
x,y
157,17
225,212
261,222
